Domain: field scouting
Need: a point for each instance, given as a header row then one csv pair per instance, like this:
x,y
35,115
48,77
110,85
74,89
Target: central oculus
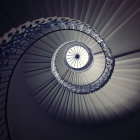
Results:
x,y
78,56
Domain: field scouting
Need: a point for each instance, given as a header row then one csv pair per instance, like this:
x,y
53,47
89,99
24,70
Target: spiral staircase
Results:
x,y
68,64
